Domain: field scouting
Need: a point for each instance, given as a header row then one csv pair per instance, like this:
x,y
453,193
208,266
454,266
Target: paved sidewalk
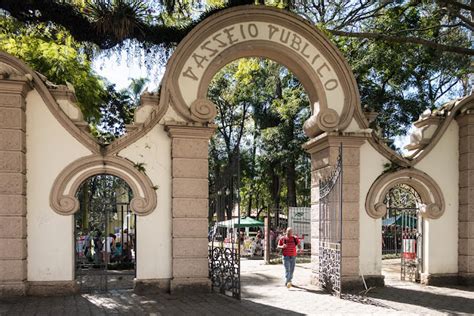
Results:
x,y
264,284
404,298
263,293
127,303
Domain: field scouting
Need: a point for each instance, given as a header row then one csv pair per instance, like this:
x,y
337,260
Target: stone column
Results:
x,y
466,197
189,152
13,187
324,151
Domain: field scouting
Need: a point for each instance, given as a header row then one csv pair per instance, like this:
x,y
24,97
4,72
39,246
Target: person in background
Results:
x,y
288,244
98,244
87,245
126,246
109,247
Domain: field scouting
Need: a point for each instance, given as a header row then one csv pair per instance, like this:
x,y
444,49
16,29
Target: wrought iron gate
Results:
x,y
330,229
105,242
224,235
412,239
403,230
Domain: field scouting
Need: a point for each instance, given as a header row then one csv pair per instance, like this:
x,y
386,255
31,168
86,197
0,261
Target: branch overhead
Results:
x,y
107,25
406,40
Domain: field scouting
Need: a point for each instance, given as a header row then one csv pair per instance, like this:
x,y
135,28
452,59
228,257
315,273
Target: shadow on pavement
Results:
x,y
315,291
128,303
348,297
436,301
258,278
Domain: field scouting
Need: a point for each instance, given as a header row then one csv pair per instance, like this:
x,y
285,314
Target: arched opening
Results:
x,y
105,235
259,177
402,234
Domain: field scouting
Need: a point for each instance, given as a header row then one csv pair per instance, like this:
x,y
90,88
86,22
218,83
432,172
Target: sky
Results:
x,y
119,71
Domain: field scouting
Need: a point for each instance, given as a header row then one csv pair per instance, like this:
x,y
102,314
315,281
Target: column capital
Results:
x,y
16,86
334,139
190,131
466,118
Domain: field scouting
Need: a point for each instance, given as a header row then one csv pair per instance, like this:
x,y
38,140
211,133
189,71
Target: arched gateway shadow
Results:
x,y
126,303
436,299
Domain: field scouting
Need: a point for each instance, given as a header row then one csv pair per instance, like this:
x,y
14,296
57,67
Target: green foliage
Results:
x,y
261,110
407,55
401,81
140,166
51,51
98,196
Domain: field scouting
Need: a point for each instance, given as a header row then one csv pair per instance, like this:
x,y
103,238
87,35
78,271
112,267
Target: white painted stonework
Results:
x,y
50,235
154,230
441,246
371,167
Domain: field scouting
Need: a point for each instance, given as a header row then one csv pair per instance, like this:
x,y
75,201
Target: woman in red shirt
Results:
x,y
288,245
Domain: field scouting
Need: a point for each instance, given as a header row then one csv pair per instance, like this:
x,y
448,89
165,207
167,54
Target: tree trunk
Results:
x,y
275,193
291,165
252,172
85,203
291,181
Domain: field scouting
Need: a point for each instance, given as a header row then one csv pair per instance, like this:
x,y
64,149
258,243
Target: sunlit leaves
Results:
x,y
261,110
53,52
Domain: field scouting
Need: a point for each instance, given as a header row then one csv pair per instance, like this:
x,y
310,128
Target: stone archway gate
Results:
x,y
169,139
169,142
257,31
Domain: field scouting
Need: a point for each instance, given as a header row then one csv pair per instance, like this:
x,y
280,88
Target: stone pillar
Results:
x,y
190,190
466,197
13,187
324,151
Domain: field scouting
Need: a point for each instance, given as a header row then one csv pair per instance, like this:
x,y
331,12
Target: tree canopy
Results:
x,y
108,23
261,110
407,55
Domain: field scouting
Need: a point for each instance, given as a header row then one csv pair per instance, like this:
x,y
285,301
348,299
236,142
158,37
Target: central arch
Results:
x,y
257,31
253,31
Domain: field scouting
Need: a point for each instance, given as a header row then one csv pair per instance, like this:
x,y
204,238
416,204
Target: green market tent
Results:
x,y
408,221
244,222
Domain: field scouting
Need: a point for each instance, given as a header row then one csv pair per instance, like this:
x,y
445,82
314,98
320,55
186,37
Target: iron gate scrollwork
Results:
x,y
402,230
224,237
224,268
330,229
105,236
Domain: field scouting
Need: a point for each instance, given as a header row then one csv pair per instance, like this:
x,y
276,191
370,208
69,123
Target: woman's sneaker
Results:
x,y
288,285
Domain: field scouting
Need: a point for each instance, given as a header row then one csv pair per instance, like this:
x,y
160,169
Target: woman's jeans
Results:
x,y
289,263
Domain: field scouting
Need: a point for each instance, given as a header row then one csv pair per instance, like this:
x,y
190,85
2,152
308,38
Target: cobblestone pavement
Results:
x,y
263,293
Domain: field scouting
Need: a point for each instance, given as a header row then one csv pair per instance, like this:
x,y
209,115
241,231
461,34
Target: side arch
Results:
x,y
62,196
430,193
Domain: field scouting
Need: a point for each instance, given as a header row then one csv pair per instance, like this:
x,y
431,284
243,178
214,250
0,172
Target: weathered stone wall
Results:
x,y
324,152
190,191
13,245
466,197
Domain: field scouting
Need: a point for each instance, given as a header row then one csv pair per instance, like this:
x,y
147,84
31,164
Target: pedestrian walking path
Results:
x,y
402,298
263,293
